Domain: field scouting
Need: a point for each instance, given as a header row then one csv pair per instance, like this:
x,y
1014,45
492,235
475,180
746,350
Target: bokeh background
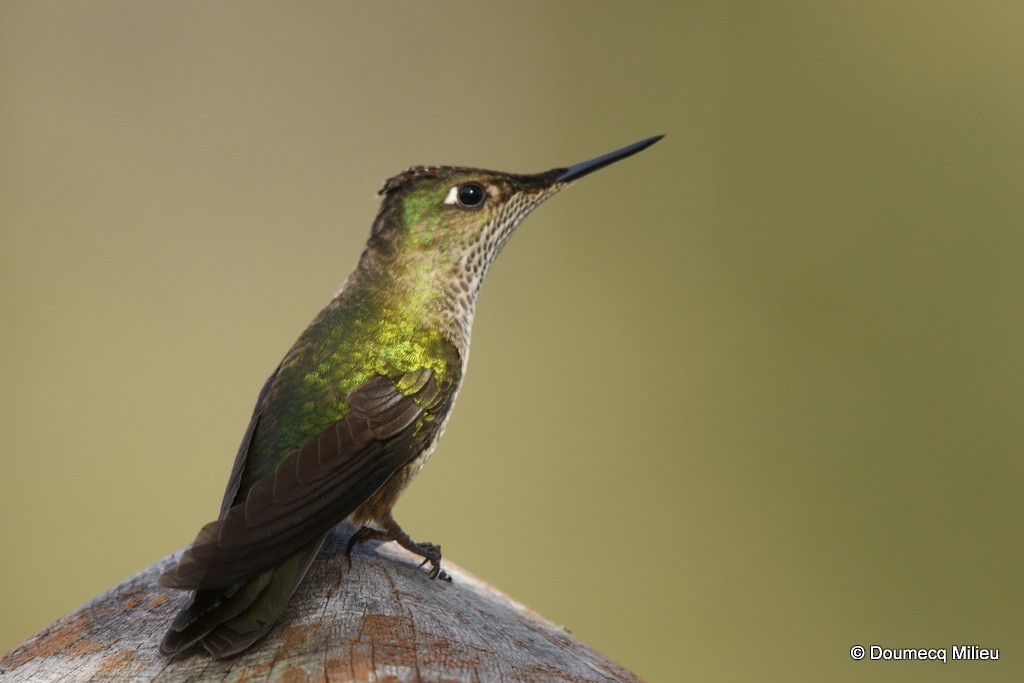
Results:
x,y
735,405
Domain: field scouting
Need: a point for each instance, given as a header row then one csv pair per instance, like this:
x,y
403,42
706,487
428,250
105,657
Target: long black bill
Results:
x,y
583,168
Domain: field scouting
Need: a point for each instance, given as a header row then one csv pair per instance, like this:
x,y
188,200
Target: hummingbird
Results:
x,y
359,402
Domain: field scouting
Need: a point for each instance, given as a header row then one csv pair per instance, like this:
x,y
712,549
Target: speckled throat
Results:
x,y
459,301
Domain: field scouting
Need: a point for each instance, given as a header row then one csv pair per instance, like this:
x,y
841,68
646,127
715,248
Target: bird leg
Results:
x,y
392,532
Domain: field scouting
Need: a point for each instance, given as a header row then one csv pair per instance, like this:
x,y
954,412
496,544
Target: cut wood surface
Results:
x,y
382,620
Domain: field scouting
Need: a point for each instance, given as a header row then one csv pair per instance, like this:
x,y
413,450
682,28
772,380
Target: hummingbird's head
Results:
x,y
457,219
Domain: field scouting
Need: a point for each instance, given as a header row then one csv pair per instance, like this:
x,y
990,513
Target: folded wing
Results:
x,y
319,485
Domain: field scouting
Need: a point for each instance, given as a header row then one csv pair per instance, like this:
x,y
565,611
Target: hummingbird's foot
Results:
x,y
430,552
392,532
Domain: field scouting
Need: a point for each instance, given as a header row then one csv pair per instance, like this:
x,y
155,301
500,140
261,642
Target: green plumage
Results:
x,y
348,343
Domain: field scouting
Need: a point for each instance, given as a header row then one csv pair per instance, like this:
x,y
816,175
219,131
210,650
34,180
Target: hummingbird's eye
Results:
x,y
471,195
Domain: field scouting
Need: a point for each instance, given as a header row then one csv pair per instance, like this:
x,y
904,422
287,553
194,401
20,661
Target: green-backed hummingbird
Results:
x,y
357,405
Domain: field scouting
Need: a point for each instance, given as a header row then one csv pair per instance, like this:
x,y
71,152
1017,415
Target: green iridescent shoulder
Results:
x,y
401,347
311,388
326,366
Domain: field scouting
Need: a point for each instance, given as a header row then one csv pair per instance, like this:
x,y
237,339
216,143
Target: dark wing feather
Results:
x,y
235,480
317,486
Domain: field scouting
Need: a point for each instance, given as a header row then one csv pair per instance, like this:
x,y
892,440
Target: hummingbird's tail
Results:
x,y
228,620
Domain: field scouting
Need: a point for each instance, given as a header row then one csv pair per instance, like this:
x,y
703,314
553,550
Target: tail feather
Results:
x,y
228,620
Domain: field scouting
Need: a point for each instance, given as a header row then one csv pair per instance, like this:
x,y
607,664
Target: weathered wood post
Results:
x,y
381,620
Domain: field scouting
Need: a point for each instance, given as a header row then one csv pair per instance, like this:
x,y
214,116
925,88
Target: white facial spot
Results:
x,y
453,196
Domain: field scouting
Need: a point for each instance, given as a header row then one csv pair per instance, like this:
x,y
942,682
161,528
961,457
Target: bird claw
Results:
x,y
362,535
432,554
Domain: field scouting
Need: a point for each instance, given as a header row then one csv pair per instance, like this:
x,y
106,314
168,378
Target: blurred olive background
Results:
x,y
735,404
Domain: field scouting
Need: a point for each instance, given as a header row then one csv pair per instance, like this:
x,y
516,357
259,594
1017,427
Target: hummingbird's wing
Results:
x,y
238,468
322,483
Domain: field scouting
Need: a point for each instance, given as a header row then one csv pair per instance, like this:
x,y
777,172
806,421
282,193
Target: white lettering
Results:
x,y
974,652
894,654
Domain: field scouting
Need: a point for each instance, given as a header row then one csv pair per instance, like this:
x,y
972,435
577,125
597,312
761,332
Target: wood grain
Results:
x,y
381,620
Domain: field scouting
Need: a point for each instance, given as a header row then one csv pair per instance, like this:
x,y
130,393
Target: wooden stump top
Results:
x,y
381,620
